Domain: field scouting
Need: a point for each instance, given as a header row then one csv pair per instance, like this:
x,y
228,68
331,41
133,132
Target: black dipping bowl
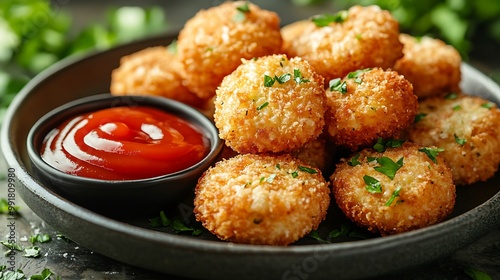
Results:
x,y
148,193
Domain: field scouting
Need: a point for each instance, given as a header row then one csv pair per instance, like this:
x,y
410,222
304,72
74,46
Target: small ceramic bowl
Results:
x,y
149,193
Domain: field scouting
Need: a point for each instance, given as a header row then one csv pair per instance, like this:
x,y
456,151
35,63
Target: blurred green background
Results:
x,y
37,33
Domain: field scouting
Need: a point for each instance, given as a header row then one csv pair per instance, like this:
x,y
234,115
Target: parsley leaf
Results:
x,y
451,96
338,85
459,141
354,160
432,153
383,144
283,78
307,169
419,117
388,167
315,235
297,77
477,274
32,252
262,106
268,81
356,75
372,185
395,194
325,19
179,226
42,238
488,105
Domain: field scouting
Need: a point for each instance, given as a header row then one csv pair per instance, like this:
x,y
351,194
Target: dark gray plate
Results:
x,y
131,240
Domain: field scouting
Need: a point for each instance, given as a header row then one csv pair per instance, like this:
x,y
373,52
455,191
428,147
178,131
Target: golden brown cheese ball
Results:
x,y
368,104
152,71
467,128
430,65
270,104
359,38
420,193
213,42
261,199
318,153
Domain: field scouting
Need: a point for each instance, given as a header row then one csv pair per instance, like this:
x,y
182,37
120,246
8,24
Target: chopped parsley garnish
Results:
x,y
42,238
372,185
5,208
354,160
295,174
477,274
297,77
457,108
432,153
325,19
283,78
245,8
356,75
419,117
395,194
488,105
459,141
338,85
278,166
242,10
177,224
451,96
268,81
307,169
262,106
383,144
32,252
388,167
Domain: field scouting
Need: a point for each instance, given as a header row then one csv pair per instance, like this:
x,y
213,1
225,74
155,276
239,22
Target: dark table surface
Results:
x,y
71,261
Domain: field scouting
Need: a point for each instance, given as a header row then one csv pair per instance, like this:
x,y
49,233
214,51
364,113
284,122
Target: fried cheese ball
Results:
x,y
270,104
361,37
421,192
152,71
432,66
467,128
368,104
261,199
213,42
318,153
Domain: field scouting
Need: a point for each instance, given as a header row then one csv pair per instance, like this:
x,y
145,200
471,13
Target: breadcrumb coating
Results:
x,y
367,37
152,71
432,66
421,193
213,42
261,199
467,128
270,104
371,104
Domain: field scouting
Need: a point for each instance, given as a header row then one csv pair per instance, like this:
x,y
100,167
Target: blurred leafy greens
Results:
x,y
36,34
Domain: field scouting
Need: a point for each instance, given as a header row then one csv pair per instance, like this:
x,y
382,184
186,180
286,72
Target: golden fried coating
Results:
x,y
292,31
213,42
467,128
270,104
420,194
360,38
368,104
152,71
318,153
430,65
261,199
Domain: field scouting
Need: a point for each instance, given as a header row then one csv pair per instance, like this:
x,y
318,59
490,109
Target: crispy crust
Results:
x,y
369,37
151,71
213,42
381,105
254,118
426,196
237,201
466,118
430,65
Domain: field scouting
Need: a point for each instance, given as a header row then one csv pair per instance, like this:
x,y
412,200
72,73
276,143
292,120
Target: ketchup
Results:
x,y
124,143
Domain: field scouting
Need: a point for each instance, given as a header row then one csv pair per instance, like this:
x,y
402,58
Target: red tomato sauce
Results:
x,y
124,143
